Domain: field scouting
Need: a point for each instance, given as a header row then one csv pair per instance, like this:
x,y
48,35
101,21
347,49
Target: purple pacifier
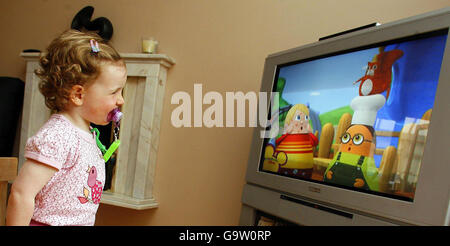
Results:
x,y
115,115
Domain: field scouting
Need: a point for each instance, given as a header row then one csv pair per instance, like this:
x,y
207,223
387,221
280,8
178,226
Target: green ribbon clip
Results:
x,y
106,153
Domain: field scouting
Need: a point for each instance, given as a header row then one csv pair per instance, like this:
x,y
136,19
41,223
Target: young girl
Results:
x,y
62,179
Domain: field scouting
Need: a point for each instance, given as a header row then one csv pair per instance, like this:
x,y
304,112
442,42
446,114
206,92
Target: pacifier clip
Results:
x,y
115,116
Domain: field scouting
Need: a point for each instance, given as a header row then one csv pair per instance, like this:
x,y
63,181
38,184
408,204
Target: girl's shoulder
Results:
x,y
56,142
58,122
57,127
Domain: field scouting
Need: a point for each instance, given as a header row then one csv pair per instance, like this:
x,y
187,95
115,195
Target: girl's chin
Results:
x,y
100,123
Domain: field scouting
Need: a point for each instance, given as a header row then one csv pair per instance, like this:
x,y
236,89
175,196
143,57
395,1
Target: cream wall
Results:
x,y
222,44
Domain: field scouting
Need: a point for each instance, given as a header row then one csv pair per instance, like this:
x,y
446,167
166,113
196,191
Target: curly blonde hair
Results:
x,y
68,61
301,107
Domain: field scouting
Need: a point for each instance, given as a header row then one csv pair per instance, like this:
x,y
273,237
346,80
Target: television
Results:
x,y
363,129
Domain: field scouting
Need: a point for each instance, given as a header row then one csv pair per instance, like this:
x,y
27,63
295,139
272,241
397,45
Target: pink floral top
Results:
x,y
72,195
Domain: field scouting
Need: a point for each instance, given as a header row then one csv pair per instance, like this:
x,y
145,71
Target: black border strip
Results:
x,y
349,31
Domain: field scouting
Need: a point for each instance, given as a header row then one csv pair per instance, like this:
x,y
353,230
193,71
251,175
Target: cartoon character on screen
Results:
x,y
297,143
378,76
354,165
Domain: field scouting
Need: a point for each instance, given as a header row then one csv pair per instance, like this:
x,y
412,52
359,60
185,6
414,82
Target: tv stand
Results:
x,y
301,211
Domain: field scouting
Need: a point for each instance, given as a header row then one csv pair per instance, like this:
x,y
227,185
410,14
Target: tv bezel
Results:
x,y
431,202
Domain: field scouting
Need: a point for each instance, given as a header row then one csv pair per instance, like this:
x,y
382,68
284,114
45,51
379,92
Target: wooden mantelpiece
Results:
x,y
134,174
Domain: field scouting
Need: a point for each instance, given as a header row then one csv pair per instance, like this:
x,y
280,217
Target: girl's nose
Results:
x,y
120,101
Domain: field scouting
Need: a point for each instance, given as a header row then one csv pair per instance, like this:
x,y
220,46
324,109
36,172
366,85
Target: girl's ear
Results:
x,y
77,95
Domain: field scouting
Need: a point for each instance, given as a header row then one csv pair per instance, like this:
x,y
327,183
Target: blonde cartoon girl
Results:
x,y
297,143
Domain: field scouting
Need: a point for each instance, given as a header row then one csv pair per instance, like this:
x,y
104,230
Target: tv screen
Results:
x,y
357,119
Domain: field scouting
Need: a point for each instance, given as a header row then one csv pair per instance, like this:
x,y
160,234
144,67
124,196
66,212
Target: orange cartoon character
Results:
x,y
354,164
297,143
378,76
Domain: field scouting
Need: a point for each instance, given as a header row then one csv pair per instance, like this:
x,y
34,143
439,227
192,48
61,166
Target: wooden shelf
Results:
x,y
127,201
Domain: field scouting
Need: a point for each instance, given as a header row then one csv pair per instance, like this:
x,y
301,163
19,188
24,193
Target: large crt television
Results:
x,y
363,135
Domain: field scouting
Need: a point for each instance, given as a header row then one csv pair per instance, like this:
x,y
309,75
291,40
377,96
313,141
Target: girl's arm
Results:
x,y
32,177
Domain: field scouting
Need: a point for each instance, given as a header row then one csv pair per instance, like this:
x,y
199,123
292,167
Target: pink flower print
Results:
x,y
96,188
